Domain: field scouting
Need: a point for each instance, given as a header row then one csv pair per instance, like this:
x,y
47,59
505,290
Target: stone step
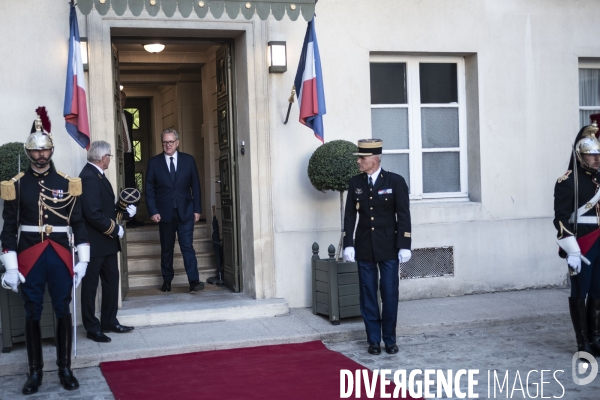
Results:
x,y
152,247
144,280
151,264
150,232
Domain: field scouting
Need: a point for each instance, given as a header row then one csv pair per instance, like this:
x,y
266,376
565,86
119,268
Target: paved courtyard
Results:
x,y
541,345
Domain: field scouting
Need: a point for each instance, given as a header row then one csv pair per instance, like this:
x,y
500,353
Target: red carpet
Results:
x,y
292,371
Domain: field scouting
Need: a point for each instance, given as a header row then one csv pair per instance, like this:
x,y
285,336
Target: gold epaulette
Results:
x,y
7,188
75,188
564,177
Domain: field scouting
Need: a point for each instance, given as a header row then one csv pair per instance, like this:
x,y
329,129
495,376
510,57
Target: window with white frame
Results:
x,y
418,110
589,92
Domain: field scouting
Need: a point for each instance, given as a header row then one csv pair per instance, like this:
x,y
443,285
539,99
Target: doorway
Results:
x,y
174,89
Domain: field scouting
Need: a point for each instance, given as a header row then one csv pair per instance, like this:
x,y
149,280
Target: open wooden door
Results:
x,y
227,160
119,162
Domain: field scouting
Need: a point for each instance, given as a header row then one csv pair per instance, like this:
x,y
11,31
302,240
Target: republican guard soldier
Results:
x,y
383,238
41,207
576,218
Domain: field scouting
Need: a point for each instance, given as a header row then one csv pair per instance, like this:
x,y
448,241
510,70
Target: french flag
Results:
x,y
309,84
75,109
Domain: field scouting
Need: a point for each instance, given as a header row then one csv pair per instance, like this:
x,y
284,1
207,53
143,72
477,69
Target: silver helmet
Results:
x,y
588,144
39,140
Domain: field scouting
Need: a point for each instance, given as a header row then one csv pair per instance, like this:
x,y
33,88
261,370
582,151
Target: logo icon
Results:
x,y
580,367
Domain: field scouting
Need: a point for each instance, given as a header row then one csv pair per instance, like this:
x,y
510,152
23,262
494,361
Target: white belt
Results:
x,y
586,207
48,229
585,220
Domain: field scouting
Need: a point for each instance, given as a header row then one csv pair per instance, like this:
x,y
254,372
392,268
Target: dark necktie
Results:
x,y
172,170
172,175
370,183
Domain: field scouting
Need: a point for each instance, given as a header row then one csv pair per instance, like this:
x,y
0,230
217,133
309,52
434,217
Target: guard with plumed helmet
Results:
x,y
577,220
42,222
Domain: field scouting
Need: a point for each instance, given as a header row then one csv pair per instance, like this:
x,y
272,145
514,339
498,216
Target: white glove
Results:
x,y
131,210
574,261
121,232
12,276
404,255
83,252
79,271
349,254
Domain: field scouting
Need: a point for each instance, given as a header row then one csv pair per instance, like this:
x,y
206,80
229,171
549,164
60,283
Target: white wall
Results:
x,y
527,72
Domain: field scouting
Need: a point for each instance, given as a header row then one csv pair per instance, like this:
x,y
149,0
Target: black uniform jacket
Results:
x,y
564,198
384,217
99,212
28,189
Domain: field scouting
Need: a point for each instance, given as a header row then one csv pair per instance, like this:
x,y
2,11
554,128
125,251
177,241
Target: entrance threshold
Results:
x,y
211,304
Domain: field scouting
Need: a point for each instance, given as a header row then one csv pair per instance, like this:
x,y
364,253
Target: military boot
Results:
x,y
593,320
33,340
64,341
579,319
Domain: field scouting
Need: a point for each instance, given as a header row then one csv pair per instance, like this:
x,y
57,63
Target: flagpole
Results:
x,y
291,101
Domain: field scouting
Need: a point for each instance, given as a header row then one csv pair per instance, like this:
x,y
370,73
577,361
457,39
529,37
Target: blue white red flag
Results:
x,y
309,84
75,109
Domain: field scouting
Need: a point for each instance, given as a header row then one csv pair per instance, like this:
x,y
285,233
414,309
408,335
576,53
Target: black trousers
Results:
x,y
107,269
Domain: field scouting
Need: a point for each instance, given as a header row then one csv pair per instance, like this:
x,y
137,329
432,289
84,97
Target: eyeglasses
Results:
x,y
169,143
109,155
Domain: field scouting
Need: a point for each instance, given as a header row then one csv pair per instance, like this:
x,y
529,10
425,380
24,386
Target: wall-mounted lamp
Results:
x,y
242,149
121,87
154,47
83,43
277,57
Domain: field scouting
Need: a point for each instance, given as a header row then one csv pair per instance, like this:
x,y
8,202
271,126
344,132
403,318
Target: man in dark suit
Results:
x,y
383,238
173,199
100,215
128,155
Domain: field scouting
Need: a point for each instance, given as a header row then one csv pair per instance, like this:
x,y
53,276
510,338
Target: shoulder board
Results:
x,y
75,188
7,188
564,177
18,176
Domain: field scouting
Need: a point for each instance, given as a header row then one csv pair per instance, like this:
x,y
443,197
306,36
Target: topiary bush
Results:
x,y
9,153
330,168
332,165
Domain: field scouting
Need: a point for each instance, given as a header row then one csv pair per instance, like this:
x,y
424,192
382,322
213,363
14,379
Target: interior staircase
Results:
x,y
143,258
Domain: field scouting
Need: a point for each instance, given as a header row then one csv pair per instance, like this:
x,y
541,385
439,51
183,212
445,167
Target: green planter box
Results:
x,y
12,315
335,289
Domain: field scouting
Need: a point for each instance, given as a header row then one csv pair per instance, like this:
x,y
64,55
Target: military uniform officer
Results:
x,y
579,236
383,238
43,203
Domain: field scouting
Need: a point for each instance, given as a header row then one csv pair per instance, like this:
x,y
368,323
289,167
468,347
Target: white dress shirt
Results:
x,y
168,160
375,175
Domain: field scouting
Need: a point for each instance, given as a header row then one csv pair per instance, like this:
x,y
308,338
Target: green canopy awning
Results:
x,y
233,8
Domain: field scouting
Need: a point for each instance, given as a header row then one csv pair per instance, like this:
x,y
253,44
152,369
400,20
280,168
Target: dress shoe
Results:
x,y
98,337
196,286
391,348
374,348
166,287
118,329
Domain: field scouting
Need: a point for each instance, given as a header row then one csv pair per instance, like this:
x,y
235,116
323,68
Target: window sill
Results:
x,y
444,211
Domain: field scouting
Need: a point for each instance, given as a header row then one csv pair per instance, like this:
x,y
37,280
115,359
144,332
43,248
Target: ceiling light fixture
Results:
x,y
154,48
